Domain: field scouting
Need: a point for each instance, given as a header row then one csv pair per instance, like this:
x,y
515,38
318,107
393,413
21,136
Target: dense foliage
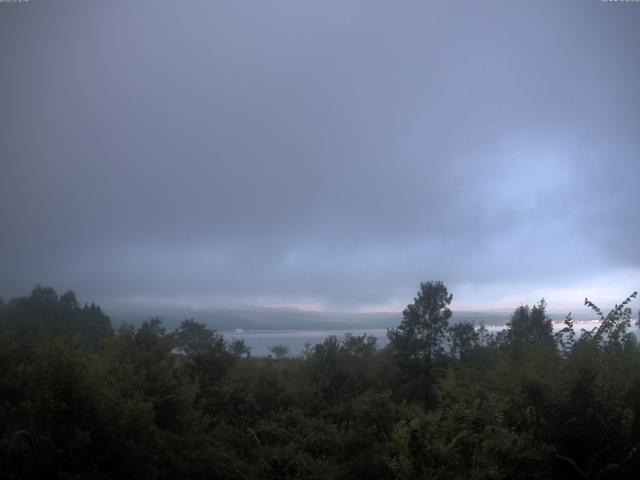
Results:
x,y
441,401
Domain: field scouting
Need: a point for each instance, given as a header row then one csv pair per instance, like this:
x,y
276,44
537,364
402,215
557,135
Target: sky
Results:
x,y
323,156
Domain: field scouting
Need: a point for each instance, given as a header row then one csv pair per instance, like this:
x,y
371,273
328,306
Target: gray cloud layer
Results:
x,y
331,153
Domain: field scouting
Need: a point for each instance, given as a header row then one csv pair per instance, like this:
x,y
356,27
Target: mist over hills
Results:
x,y
229,319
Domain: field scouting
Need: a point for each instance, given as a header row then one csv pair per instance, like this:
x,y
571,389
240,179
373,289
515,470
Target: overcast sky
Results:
x,y
320,155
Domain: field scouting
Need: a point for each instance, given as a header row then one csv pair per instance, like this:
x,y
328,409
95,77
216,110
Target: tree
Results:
x,y
239,348
359,345
463,337
68,299
530,325
484,336
279,351
422,331
419,339
44,312
612,332
194,337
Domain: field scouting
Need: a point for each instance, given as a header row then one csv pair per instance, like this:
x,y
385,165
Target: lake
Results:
x,y
295,340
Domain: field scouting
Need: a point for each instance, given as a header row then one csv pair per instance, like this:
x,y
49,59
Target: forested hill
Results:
x,y
443,400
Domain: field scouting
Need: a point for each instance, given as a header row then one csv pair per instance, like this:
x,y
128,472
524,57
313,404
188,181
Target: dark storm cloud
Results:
x,y
314,152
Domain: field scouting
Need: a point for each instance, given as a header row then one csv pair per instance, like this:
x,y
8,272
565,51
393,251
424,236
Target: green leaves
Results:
x,y
153,403
611,334
529,326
